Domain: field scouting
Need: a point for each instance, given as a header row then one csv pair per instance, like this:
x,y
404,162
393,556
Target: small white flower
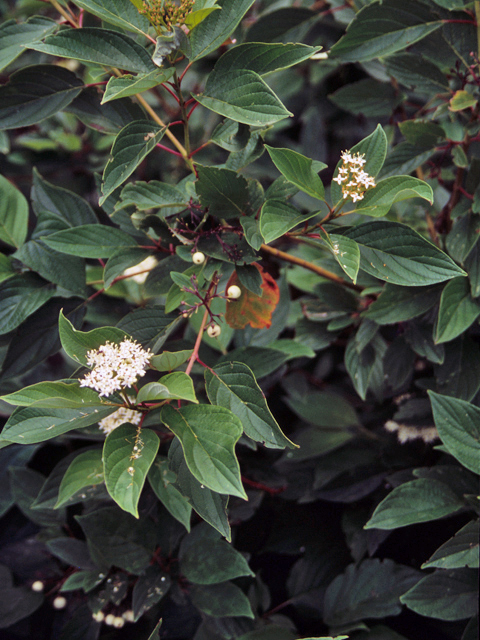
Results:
x,y
115,366
122,415
356,180
140,271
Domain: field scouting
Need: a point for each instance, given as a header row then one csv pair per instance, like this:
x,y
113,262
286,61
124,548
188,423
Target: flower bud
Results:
x,y
234,292
214,331
198,257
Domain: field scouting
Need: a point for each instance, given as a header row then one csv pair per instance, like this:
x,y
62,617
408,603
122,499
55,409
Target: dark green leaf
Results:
x,y
457,312
298,170
98,46
14,36
232,385
20,296
128,454
129,85
458,425
150,326
168,361
264,58
13,214
72,551
89,241
398,304
446,595
162,481
85,470
17,603
221,600
460,551
260,360
377,201
149,589
411,69
134,142
153,195
173,386
415,501
277,217
59,394
36,93
224,192
120,13
288,24
369,97
208,436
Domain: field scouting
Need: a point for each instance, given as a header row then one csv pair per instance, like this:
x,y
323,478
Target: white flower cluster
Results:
x,y
406,433
122,415
115,366
140,271
352,178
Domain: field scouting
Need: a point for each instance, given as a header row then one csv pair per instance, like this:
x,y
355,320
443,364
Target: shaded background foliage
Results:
x,y
318,570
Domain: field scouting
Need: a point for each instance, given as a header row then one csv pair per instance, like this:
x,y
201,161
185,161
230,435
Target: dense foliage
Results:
x,y
171,261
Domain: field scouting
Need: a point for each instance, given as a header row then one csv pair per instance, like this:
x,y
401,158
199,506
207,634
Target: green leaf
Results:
x,y
207,559
251,229
120,13
264,58
151,326
17,603
261,360
128,454
77,343
292,349
462,100
196,17
224,192
28,425
243,97
368,97
458,552
345,251
371,589
457,312
65,270
210,506
285,24
411,69
399,304
394,252
14,36
86,470
89,241
458,372
208,436
221,600
173,386
458,425
132,145
445,595
162,481
153,195
98,46
336,412
362,365
155,635
378,30
115,538
377,201
277,217
314,442
298,170
212,32
20,296
129,85
13,214
35,93
149,589
54,395
232,385
419,500
170,360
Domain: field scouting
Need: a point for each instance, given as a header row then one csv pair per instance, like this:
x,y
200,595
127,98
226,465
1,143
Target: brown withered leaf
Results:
x,y
250,308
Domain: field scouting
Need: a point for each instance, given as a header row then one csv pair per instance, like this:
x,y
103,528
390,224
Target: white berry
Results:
x,y
38,585
234,292
60,602
118,622
198,257
128,615
214,331
109,619
99,616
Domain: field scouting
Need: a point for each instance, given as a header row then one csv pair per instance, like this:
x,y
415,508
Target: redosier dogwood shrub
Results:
x,y
239,303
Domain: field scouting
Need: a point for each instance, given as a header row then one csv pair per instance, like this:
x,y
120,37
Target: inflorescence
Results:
x,y
167,13
119,417
352,178
116,366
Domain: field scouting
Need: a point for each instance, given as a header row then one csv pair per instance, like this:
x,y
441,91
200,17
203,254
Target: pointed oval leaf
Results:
x,y
264,58
382,29
20,296
89,241
224,192
121,13
458,552
170,360
173,386
277,217
28,425
347,253
415,501
129,85
134,142
458,425
86,470
298,170
128,454
243,97
149,589
208,436
394,252
98,46
232,385
54,395
13,214
221,600
457,311
35,93
14,36
378,201
160,479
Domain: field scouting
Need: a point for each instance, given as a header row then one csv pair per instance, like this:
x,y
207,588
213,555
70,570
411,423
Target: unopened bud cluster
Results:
x,y
167,13
352,178
407,433
122,415
115,366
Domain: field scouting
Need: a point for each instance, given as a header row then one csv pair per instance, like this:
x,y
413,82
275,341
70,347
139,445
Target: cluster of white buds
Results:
x,y
122,415
140,271
406,433
352,178
116,366
111,620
